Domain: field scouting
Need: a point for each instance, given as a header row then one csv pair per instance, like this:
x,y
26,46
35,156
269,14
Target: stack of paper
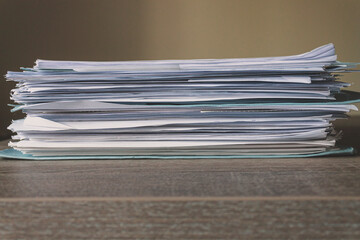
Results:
x,y
218,108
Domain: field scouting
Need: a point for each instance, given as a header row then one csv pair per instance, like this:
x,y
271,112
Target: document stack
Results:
x,y
164,109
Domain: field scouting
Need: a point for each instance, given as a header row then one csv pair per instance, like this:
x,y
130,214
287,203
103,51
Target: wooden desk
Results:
x,y
312,198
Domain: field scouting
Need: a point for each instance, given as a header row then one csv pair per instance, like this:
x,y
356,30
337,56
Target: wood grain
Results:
x,y
181,220
159,178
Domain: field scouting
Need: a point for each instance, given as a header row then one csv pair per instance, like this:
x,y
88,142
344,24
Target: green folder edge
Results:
x,y
16,154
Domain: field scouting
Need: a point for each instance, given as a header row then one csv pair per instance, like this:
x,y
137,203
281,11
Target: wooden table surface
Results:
x,y
309,198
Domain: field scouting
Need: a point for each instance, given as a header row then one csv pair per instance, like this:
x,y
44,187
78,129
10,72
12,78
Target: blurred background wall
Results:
x,y
169,29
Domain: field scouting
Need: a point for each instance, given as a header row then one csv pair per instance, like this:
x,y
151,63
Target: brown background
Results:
x,y
163,29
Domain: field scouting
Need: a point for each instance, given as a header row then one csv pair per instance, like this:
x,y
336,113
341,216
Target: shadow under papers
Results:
x,y
351,132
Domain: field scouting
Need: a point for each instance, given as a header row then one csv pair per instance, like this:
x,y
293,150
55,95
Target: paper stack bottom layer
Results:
x,y
217,108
